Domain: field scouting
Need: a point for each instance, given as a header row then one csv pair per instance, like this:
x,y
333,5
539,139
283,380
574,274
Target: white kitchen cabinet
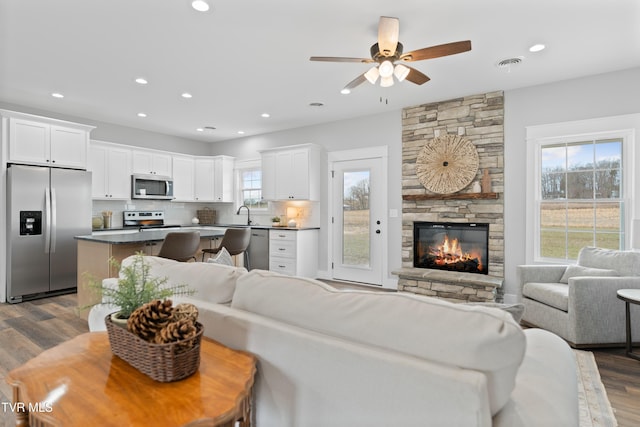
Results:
x,y
43,141
294,252
203,179
223,178
150,162
110,167
183,178
291,173
204,188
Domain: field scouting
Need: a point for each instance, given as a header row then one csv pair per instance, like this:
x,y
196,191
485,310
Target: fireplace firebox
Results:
x,y
462,247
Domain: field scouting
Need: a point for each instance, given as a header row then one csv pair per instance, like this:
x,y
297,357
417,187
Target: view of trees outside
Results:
x,y
580,186
252,189
355,213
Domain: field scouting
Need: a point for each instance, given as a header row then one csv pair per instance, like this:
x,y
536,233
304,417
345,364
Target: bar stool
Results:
x,y
180,246
235,241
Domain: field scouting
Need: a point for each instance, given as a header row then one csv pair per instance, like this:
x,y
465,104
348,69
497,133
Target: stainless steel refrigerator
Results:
x,y
46,208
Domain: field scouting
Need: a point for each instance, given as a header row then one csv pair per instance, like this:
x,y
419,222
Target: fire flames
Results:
x,y
450,252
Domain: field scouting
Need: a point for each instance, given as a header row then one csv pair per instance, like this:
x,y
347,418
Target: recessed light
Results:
x,y
200,129
141,81
240,132
187,95
345,91
57,95
537,47
142,115
265,115
200,5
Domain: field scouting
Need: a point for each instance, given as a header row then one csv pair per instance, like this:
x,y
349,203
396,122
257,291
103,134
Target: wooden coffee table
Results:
x,y
629,296
81,383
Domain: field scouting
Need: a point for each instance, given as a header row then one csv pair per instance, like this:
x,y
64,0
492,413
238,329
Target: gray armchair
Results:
x,y
579,302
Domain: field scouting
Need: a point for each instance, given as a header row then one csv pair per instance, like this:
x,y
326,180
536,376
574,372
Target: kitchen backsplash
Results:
x,y
306,214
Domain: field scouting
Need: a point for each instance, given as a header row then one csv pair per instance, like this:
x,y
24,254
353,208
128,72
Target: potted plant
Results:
x,y
275,221
135,288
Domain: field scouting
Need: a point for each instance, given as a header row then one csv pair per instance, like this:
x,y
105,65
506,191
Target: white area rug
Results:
x,y
595,409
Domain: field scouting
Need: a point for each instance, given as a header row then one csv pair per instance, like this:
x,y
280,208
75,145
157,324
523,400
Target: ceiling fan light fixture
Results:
x,y
386,81
386,69
401,72
372,75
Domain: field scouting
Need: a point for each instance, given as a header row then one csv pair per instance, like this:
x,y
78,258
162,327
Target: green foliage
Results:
x,y
137,287
275,219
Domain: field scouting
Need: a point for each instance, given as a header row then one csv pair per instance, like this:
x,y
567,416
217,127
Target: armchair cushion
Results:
x,y
626,263
580,271
552,294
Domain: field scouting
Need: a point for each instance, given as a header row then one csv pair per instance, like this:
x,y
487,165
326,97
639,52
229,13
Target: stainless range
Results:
x,y
144,219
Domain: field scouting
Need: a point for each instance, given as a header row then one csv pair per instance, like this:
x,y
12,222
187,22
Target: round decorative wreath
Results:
x,y
447,164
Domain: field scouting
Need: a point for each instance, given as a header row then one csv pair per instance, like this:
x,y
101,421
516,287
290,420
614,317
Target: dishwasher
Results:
x,y
259,249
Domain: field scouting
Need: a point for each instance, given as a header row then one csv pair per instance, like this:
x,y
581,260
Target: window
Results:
x,y
251,188
579,202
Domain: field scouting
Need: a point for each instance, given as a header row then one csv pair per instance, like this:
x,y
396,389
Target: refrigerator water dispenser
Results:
x,y
30,223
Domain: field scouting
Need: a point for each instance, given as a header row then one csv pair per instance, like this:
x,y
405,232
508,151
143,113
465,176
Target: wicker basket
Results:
x,y
162,362
206,216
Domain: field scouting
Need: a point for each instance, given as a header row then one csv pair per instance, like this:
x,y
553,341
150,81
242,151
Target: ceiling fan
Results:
x,y
388,55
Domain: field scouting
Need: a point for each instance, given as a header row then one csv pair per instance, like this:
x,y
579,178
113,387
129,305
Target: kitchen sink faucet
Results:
x,y
248,213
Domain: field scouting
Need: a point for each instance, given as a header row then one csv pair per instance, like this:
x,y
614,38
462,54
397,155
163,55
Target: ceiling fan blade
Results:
x,y
388,32
340,59
356,82
437,51
416,76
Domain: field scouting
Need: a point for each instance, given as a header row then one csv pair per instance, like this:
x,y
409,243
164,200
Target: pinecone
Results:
x,y
148,319
182,329
185,311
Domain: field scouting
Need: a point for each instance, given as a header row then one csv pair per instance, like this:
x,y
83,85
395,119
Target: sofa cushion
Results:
x,y
212,282
472,337
552,294
580,271
516,310
626,263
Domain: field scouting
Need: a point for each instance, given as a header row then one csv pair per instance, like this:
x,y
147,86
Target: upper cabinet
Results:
x,y
223,178
150,162
110,167
43,141
291,173
203,179
183,178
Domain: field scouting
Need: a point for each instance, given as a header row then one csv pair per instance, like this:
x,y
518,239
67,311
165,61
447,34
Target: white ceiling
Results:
x,y
247,57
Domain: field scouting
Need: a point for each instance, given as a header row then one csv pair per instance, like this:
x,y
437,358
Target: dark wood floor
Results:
x,y
28,328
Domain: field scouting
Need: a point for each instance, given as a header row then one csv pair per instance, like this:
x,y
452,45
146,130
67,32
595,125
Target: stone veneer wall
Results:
x,y
481,118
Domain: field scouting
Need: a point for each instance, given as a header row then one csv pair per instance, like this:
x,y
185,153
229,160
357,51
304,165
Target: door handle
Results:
x,y
54,219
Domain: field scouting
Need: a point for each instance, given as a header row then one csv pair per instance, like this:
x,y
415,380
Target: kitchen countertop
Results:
x,y
148,236
159,234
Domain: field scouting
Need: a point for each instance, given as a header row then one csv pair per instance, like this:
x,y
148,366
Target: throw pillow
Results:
x,y
579,271
516,310
223,257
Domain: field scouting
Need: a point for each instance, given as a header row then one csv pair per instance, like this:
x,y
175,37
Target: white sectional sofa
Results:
x,y
331,357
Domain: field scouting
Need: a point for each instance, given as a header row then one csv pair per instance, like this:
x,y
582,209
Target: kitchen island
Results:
x,y
95,251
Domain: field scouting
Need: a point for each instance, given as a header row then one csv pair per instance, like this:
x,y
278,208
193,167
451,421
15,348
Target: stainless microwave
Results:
x,y
151,187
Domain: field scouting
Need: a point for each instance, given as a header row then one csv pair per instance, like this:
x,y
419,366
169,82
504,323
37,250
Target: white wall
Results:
x,y
603,95
371,131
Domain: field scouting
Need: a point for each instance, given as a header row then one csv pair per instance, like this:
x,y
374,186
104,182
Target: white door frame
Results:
x,y
360,154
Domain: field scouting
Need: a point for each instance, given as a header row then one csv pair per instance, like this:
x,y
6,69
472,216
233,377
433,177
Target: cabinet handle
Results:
x,y
281,266
281,249
282,235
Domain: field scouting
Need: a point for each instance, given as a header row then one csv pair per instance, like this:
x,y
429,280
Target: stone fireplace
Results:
x,y
479,118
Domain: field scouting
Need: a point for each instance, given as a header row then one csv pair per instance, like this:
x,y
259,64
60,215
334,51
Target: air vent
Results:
x,y
510,62
209,128
316,104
